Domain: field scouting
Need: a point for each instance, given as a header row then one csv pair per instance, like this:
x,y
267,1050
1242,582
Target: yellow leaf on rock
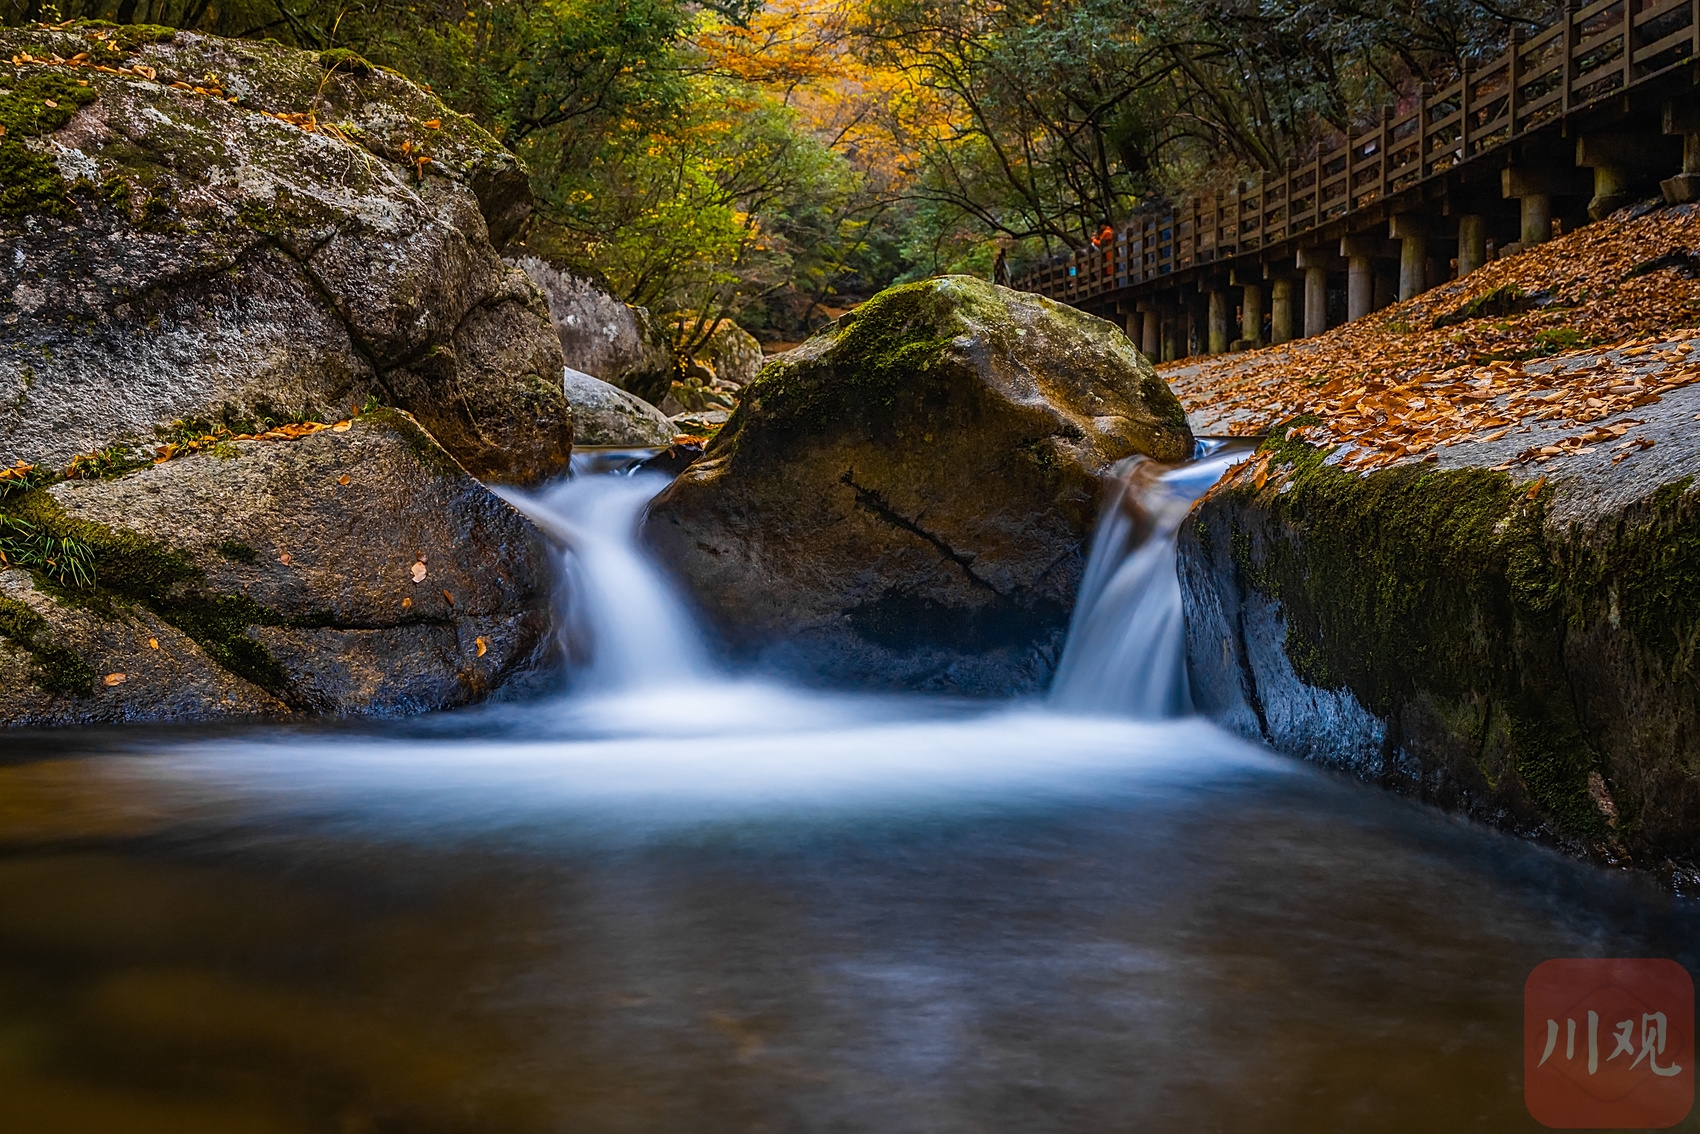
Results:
x,y
153,643
116,678
482,646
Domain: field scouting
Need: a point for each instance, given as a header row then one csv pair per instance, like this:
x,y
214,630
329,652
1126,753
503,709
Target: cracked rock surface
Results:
x,y
904,501
351,572
204,259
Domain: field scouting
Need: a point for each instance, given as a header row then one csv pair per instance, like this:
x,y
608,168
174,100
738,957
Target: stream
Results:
x,y
666,898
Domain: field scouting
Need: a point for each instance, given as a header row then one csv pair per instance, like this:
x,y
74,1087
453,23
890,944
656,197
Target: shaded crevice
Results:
x,y
876,504
361,347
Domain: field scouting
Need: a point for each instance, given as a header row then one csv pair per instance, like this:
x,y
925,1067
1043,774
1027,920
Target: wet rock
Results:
x,y
602,336
1522,645
604,414
360,571
904,500
201,257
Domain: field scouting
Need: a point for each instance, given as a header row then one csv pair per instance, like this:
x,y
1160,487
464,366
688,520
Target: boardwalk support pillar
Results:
x,y
1359,251
1533,190
1610,156
1316,263
1472,243
1150,331
1251,307
1685,120
1218,343
1412,233
1281,309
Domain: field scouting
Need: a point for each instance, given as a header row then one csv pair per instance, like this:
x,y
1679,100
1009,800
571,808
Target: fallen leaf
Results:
x,y
341,427
116,678
433,124
1535,488
343,479
449,597
406,602
286,559
419,572
482,646
153,643
50,102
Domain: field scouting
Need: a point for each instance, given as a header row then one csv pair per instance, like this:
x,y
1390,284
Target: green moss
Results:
x,y
134,569
237,551
1500,301
55,668
37,102
345,60
1645,573
1414,582
134,37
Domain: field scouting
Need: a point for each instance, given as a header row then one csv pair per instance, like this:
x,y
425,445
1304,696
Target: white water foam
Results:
x,y
1126,648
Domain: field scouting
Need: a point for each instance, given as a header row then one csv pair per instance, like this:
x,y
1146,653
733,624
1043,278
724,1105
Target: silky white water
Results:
x,y
1126,648
668,899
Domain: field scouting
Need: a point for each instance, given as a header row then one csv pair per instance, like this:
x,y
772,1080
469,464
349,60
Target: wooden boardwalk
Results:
x,y
1598,110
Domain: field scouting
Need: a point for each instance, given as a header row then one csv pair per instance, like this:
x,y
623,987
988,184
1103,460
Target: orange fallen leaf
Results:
x,y
341,427
153,643
406,602
343,479
449,597
1535,488
115,678
419,572
286,559
433,123
482,646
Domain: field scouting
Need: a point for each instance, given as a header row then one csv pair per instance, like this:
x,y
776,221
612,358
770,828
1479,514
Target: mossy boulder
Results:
x,y
199,228
353,571
904,500
1521,644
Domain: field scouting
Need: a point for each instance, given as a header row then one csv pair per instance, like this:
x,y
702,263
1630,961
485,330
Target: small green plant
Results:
x,y
103,464
66,560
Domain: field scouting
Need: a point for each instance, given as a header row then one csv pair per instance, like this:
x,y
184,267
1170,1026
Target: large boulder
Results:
x,y
904,500
600,335
355,570
604,414
219,230
1519,641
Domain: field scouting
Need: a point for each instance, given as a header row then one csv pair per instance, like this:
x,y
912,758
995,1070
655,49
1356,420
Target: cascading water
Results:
x,y
625,628
1126,647
628,631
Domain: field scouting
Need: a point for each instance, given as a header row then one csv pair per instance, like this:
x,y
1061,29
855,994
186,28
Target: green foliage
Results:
x,y
65,559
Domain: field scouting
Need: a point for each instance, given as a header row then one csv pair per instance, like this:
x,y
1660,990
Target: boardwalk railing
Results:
x,y
1596,52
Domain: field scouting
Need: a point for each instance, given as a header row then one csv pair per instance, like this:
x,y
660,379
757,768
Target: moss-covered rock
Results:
x,y
1527,648
359,571
205,228
904,499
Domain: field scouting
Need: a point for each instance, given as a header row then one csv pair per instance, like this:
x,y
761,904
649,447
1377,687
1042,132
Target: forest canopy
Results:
x,y
777,161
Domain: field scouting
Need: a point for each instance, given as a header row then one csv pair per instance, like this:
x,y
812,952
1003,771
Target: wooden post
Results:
x,y
1465,83
1514,72
1384,146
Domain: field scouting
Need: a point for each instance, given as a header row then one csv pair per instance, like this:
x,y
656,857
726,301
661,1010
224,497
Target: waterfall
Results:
x,y
1126,647
626,629
624,625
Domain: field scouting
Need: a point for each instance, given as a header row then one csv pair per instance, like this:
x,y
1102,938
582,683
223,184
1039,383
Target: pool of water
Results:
x,y
732,907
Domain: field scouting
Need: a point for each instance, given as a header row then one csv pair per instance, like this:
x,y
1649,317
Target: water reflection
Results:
x,y
936,919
